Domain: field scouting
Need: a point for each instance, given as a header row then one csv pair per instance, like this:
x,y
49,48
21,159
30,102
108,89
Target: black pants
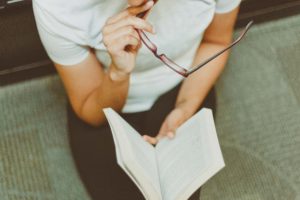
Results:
x,y
94,152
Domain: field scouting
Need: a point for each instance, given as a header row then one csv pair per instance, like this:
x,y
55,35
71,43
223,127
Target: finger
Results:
x,y
130,11
134,10
129,21
159,136
151,140
136,2
168,130
166,133
138,46
114,19
121,32
120,44
170,134
163,129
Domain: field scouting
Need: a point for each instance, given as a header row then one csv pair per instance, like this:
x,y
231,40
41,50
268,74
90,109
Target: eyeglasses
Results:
x,y
177,68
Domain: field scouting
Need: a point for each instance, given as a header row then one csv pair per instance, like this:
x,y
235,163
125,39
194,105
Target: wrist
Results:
x,y
188,107
117,75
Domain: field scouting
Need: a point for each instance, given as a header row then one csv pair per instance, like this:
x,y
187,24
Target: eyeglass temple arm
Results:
x,y
222,51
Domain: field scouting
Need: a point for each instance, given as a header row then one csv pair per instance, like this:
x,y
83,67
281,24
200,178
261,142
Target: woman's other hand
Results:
x,y
168,128
122,40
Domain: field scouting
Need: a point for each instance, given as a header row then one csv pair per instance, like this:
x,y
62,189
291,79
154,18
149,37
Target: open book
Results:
x,y
175,168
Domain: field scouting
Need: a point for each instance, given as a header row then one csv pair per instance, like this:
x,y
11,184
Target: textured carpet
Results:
x,y
258,119
258,123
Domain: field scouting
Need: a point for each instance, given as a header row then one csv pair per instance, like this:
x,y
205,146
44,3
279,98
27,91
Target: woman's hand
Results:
x,y
168,128
136,2
121,38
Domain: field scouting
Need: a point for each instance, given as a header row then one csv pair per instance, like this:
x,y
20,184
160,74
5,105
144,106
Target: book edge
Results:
x,y
134,164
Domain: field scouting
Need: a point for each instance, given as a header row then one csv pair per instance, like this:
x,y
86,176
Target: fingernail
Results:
x,y
170,135
149,4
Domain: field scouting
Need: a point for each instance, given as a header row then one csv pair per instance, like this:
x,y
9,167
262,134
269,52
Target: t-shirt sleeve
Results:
x,y
59,48
224,6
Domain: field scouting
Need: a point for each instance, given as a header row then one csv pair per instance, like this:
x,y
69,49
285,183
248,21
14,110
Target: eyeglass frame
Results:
x,y
175,67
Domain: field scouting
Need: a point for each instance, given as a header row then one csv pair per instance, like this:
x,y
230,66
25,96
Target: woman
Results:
x,y
102,62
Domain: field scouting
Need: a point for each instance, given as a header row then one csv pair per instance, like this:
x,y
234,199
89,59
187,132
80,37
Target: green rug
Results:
x,y
258,122
258,119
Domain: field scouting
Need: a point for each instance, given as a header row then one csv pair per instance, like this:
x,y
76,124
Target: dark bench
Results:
x,y
22,56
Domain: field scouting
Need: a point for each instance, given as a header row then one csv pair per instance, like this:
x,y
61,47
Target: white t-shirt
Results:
x,y
69,28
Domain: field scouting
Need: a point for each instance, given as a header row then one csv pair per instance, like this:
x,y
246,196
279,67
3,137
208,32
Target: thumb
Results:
x,y
167,129
140,9
171,129
172,124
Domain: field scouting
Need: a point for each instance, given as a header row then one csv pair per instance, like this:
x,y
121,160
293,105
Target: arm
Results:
x,y
195,88
89,87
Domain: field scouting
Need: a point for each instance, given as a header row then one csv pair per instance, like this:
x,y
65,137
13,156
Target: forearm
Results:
x,y
89,87
196,87
193,91
112,92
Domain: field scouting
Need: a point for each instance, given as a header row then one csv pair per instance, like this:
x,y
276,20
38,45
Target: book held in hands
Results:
x,y
175,168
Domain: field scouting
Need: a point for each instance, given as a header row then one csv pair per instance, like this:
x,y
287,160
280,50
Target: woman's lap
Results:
x,y
94,152
94,155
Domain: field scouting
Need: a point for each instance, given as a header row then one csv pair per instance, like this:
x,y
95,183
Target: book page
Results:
x,y
120,160
135,156
190,159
